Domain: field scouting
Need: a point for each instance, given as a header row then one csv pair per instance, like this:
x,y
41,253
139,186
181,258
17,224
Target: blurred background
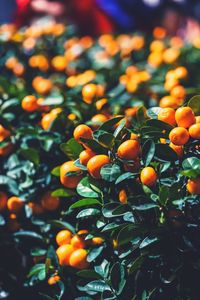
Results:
x,y
178,17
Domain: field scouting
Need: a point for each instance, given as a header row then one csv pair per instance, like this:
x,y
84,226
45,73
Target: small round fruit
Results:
x,y
177,149
15,204
82,131
78,242
78,259
123,197
148,176
3,201
193,186
50,202
95,164
129,150
63,237
185,117
194,131
167,115
179,136
69,181
29,103
97,241
85,156
53,279
64,252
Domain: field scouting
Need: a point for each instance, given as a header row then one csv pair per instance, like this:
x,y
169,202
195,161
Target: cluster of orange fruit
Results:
x,y
14,206
72,248
185,124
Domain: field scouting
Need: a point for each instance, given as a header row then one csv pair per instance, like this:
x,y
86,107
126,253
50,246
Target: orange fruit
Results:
x,y
64,252
4,133
155,59
85,156
82,131
98,120
83,232
13,223
133,136
37,208
3,201
194,131
53,279
46,121
11,62
89,91
100,103
59,63
69,181
157,46
178,92
159,32
131,112
185,117
6,149
42,85
15,204
181,72
63,237
95,164
197,119
29,103
167,115
78,259
78,241
50,202
193,186
170,55
148,176
123,197
19,69
168,101
96,241
177,149
129,150
179,136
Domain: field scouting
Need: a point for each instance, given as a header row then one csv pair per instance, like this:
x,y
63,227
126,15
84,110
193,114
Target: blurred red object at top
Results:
x,y
84,13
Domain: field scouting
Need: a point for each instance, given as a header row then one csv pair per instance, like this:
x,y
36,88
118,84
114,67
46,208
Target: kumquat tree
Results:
x,y
100,165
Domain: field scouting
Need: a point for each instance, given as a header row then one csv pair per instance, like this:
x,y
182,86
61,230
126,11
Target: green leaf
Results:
x,y
31,154
72,148
148,151
89,212
136,264
148,241
62,225
38,252
153,112
125,176
84,189
194,103
191,163
28,234
56,171
62,192
94,253
110,172
110,123
117,277
106,140
97,286
36,270
85,202
53,99
119,128
165,153
89,274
